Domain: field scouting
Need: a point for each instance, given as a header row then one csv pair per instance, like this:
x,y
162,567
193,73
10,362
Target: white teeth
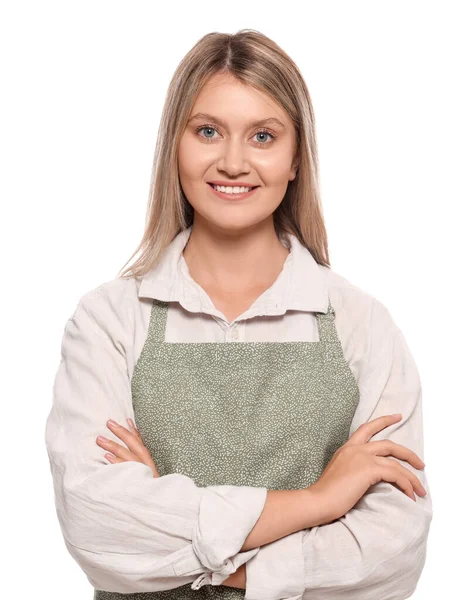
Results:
x,y
231,190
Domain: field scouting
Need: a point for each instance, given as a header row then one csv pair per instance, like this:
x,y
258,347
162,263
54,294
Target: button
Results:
x,y
234,334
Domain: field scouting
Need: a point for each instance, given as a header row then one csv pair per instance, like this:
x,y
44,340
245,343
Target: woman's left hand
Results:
x,y
136,450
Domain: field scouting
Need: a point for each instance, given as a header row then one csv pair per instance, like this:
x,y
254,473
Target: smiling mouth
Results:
x,y
231,186
233,195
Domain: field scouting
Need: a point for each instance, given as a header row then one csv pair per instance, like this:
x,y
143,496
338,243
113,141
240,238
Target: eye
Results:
x,y
206,128
209,129
265,132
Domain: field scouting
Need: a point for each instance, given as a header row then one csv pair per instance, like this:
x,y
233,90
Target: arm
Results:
x,y
128,531
378,548
300,512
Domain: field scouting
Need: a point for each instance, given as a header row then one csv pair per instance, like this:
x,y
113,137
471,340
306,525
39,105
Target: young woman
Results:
x,y
266,459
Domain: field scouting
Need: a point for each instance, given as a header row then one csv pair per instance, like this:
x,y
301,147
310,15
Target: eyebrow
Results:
x,y
269,121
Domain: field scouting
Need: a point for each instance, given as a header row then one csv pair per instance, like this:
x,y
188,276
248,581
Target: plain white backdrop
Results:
x,y
83,85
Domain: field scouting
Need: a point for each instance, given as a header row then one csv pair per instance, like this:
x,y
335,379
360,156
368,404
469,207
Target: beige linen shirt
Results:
x,y
131,532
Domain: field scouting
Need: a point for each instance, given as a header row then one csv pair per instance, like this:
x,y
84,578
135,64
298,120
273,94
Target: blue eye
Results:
x,y
208,129
263,133
211,128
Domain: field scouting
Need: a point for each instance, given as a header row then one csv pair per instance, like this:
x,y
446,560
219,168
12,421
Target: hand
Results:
x,y
237,579
360,463
136,451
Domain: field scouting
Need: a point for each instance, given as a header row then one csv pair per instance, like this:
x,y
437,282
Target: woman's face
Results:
x,y
226,145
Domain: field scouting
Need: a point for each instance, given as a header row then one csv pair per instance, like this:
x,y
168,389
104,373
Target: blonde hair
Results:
x,y
256,60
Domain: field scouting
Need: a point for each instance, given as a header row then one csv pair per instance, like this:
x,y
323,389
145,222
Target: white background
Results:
x,y
83,85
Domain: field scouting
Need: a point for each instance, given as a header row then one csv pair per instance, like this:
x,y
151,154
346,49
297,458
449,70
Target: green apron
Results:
x,y
268,414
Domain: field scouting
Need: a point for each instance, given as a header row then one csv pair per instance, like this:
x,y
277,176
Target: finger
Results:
x,y
126,456
116,448
134,430
113,459
393,475
137,449
367,430
134,443
415,482
389,447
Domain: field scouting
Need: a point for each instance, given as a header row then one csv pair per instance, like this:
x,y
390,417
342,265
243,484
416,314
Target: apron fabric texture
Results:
x,y
268,414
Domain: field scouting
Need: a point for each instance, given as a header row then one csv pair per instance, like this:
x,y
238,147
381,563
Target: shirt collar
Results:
x,y
301,285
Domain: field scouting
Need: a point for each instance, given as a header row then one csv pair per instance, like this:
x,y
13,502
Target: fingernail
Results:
x,y
102,439
112,423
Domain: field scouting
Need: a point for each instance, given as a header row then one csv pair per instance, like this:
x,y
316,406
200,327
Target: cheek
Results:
x,y
274,167
191,162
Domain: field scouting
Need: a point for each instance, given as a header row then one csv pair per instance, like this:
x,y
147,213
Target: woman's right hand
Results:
x,y
360,463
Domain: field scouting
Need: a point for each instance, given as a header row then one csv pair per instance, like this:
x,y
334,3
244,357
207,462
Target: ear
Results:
x,y
294,169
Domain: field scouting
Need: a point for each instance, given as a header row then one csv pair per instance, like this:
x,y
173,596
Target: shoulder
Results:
x,y
359,314
116,291
110,305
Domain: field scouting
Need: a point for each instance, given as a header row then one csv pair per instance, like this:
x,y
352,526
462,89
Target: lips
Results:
x,y
252,187
233,197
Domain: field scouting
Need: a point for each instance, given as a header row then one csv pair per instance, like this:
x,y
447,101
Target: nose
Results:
x,y
233,159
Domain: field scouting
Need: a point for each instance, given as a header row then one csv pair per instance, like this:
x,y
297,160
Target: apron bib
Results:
x,y
264,414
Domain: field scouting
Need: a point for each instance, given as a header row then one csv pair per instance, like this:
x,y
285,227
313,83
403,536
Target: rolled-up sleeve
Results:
x,y
378,548
129,531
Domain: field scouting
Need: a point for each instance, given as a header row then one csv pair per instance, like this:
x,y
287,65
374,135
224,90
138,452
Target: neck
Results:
x,y
234,260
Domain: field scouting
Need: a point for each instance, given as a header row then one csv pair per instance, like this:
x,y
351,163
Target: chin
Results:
x,y
234,224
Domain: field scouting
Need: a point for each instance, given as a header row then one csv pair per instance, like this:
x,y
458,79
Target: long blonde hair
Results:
x,y
253,59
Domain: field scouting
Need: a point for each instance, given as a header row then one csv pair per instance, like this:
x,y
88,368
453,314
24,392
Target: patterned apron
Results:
x,y
268,414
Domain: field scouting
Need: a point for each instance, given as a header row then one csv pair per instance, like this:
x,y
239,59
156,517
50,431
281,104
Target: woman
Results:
x,y
266,461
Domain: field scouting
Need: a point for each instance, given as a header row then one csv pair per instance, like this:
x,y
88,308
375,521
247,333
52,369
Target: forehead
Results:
x,y
236,103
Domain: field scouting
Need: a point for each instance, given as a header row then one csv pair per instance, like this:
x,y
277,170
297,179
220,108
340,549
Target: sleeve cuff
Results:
x,y
231,566
227,514
277,571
